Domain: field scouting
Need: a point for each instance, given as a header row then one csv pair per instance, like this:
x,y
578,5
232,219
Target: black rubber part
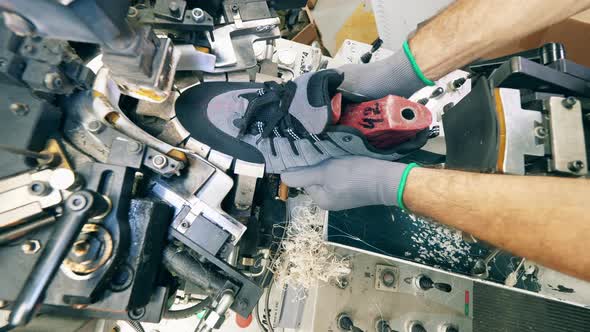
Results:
x,y
471,131
191,111
322,86
184,265
320,83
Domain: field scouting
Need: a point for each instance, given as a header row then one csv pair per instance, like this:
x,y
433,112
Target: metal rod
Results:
x,y
27,153
14,234
78,209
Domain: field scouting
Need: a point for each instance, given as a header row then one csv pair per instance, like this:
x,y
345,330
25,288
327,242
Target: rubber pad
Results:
x,y
471,131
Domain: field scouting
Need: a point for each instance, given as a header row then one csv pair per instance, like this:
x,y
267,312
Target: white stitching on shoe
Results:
x,y
292,133
259,124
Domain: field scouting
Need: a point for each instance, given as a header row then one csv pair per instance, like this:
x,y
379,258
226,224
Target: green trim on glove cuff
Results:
x,y
402,185
417,69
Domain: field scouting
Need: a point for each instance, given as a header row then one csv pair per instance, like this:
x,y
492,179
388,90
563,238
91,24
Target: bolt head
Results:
x,y
77,202
81,248
19,109
134,147
197,14
136,313
423,101
569,102
132,12
540,132
173,6
437,92
87,248
26,247
31,247
39,188
95,126
575,165
53,81
159,161
459,82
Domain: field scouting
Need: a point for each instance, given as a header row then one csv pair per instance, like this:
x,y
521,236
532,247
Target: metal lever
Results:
x,y
425,283
480,268
80,206
345,323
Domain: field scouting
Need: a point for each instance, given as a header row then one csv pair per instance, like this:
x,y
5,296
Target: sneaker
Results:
x,y
281,125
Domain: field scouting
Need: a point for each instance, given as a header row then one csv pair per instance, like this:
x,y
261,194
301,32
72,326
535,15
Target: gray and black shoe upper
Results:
x,y
281,125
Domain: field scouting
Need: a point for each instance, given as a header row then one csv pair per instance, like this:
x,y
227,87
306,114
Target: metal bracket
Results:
x,y
233,45
568,147
521,73
519,131
249,293
197,208
19,201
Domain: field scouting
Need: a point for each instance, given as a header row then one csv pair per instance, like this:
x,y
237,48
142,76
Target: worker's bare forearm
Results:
x,y
468,29
541,218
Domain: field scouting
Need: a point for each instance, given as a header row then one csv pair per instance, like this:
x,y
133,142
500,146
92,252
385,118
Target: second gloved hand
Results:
x,y
340,184
395,75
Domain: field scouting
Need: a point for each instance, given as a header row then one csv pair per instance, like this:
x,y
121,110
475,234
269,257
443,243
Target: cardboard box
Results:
x,y
309,33
572,33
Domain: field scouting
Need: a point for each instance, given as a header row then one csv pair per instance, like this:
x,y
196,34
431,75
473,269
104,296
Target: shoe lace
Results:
x,y
268,111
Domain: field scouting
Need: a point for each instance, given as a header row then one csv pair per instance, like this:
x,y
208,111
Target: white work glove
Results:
x,y
340,184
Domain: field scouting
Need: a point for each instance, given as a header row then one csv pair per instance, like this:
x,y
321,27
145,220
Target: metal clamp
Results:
x,y
233,45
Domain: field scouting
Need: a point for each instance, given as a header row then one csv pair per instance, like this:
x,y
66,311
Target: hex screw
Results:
x,y
31,247
575,165
540,132
197,14
437,92
19,109
95,126
134,147
159,161
569,102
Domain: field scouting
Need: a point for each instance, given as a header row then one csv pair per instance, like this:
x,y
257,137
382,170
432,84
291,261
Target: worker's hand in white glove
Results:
x,y
340,184
394,75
